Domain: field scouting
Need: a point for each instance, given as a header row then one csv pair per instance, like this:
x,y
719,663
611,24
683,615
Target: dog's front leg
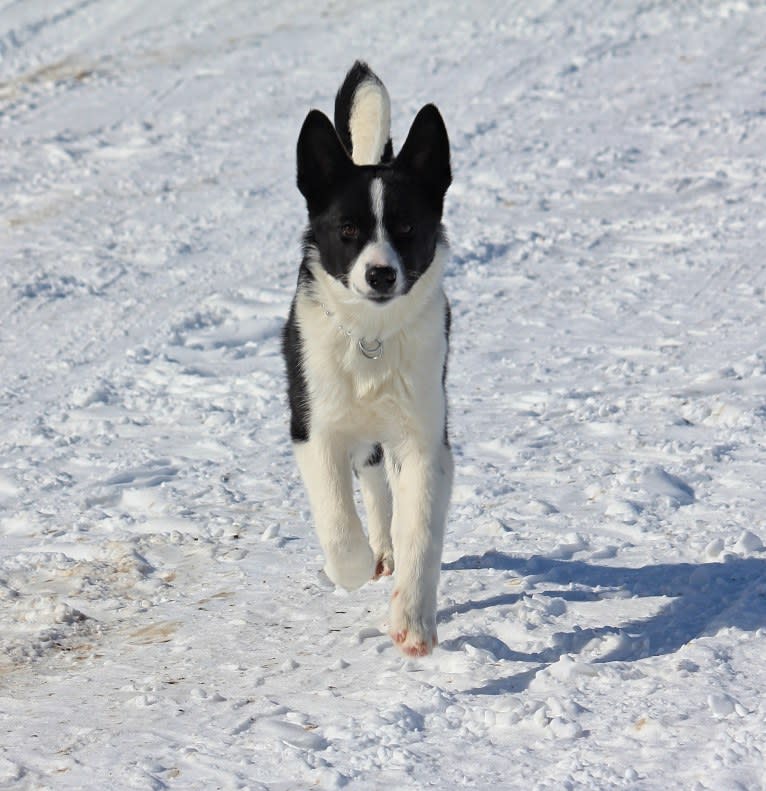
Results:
x,y
325,466
421,482
376,495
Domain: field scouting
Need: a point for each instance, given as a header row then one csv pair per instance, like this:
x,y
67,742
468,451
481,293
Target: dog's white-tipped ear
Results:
x,y
425,154
370,123
322,161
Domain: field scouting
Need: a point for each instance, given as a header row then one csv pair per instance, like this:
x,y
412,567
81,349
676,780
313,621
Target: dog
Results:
x,y
365,347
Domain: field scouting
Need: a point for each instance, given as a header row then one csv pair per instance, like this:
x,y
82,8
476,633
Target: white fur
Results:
x,y
378,504
376,253
370,122
397,400
327,476
422,490
377,197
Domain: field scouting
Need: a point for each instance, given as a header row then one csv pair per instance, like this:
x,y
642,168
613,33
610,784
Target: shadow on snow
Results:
x,y
704,598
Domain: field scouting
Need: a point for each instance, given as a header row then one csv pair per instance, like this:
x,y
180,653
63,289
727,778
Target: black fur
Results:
x,y
447,328
324,167
297,390
375,457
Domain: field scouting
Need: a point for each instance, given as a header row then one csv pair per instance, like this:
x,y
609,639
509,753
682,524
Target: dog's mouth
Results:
x,y
375,298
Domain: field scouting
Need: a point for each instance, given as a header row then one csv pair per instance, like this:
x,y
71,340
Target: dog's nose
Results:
x,y
381,278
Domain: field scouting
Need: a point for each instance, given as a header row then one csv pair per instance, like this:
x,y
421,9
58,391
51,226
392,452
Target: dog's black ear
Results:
x,y
425,154
322,161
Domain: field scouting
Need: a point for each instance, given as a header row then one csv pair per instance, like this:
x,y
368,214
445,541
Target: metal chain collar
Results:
x,y
372,350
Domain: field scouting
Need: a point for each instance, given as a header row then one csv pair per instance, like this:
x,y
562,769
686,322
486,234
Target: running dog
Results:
x,y
365,347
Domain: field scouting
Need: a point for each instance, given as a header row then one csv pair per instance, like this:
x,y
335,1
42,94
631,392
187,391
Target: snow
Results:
x,y
165,622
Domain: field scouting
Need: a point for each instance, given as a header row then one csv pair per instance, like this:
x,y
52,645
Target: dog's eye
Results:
x,y
349,231
404,229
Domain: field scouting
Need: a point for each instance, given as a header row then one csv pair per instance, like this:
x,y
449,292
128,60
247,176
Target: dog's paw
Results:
x,y
384,566
413,632
351,564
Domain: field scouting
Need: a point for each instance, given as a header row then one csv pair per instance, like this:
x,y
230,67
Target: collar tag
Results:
x,y
372,350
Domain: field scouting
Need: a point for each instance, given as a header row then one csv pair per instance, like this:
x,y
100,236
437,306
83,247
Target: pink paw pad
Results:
x,y
419,648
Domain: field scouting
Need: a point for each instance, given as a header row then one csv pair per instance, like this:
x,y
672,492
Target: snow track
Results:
x,y
163,619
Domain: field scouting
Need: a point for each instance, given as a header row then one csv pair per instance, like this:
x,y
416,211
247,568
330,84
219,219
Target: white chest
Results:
x,y
400,391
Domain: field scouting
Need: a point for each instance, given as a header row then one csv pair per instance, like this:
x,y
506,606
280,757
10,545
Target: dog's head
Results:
x,y
375,227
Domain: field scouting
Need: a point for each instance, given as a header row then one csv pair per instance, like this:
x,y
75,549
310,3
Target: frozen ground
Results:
x,y
163,621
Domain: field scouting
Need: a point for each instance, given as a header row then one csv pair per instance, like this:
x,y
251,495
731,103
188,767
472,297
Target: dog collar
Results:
x,y
372,350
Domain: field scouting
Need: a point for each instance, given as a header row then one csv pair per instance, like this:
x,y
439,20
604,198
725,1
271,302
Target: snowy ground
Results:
x,y
163,621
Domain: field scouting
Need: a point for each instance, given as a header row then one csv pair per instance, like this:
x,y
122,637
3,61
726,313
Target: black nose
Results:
x,y
381,278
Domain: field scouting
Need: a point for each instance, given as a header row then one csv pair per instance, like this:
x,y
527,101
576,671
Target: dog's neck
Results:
x,y
371,349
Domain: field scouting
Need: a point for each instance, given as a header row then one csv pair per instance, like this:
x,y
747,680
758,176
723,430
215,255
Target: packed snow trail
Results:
x,y
164,621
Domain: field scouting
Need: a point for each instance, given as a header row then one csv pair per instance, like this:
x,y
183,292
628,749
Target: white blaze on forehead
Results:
x,y
378,251
376,196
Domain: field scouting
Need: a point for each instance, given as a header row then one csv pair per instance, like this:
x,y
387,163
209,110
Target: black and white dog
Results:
x,y
366,349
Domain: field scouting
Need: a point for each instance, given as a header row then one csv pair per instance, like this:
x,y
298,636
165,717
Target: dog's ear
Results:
x,y
322,161
425,154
